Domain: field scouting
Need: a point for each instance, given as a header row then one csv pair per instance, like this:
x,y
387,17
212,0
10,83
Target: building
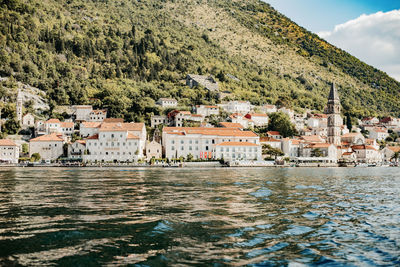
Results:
x,y
274,134
207,82
274,143
116,142
268,108
97,115
153,150
370,121
288,112
156,120
291,148
49,147
367,154
225,124
321,152
235,151
167,102
353,138
378,133
200,142
243,107
258,118
389,153
9,151
177,118
52,126
82,112
207,110
28,120
67,128
19,106
87,129
77,149
334,119
242,120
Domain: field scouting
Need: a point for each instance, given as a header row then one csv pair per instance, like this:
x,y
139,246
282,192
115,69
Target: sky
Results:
x,y
367,29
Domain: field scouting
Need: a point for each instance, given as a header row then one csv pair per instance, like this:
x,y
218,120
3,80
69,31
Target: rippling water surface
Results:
x,y
295,217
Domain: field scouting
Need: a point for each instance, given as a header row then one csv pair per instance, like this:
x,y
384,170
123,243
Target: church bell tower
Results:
x,y
19,105
335,121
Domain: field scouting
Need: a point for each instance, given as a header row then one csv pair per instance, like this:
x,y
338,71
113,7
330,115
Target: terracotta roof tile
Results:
x,y
7,142
48,138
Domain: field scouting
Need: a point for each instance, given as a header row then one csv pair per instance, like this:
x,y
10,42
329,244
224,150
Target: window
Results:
x,y
172,141
112,135
190,148
206,147
172,148
197,141
213,141
182,142
182,148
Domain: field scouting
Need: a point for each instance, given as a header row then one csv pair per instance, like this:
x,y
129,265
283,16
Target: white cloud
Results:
x,y
375,39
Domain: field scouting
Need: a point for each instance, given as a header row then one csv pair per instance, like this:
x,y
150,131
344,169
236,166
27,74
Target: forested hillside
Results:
x,y
124,55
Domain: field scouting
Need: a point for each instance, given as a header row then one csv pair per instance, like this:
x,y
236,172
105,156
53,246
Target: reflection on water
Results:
x,y
200,216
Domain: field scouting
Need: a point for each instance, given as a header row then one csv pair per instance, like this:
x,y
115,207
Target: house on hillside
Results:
x,y
9,151
167,102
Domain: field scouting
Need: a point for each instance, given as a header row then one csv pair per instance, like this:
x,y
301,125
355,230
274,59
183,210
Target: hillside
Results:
x,y
124,55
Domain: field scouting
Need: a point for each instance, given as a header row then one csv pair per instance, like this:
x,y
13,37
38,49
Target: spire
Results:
x,y
333,94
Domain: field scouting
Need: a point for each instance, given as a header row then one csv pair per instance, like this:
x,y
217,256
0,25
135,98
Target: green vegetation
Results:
x,y
280,122
35,157
124,55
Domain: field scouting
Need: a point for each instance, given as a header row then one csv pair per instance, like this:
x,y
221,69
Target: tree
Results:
x,y
271,151
25,148
348,122
189,157
396,156
35,157
280,122
11,126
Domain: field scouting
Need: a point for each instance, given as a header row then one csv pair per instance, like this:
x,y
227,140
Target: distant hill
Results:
x,y
124,55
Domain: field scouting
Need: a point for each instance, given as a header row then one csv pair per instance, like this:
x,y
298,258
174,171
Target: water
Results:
x,y
164,217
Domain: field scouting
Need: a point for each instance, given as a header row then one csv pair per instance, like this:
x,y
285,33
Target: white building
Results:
x,y
274,134
28,120
52,126
258,118
77,149
67,128
167,102
234,151
288,112
82,112
49,147
291,148
321,152
200,142
378,133
367,154
207,110
116,142
153,150
370,121
243,107
207,82
9,151
158,120
87,129
268,108
242,120
274,143
98,115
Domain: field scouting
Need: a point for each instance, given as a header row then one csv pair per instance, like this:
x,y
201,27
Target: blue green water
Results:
x,y
169,217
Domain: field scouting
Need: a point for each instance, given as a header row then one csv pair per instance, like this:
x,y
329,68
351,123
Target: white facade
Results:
x,y
109,146
52,126
67,128
258,119
367,154
9,151
28,120
158,120
77,149
153,150
167,102
49,147
234,151
82,112
243,107
291,147
200,142
97,115
206,110
378,134
87,129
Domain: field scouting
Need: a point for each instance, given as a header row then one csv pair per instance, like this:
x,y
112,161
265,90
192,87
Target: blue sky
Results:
x,y
323,15
367,29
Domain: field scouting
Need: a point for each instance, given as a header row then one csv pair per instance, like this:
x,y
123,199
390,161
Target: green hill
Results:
x,y
124,55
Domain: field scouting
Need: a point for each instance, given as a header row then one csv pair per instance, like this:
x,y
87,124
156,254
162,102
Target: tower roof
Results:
x,y
333,94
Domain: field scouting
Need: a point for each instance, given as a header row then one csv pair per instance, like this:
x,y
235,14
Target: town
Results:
x,y
232,133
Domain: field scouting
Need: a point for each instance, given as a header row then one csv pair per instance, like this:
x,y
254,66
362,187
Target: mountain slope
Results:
x,y
125,54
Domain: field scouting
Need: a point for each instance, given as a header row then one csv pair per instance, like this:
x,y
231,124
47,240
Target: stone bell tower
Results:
x,y
19,106
335,121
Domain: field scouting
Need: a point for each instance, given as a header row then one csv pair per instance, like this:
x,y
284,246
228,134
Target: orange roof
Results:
x,y
394,148
53,121
350,135
131,136
209,131
347,153
363,147
93,137
67,125
321,116
7,142
312,138
185,112
197,115
83,142
258,115
90,124
120,127
380,130
83,107
237,144
231,125
114,120
319,145
47,138
273,133
269,139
